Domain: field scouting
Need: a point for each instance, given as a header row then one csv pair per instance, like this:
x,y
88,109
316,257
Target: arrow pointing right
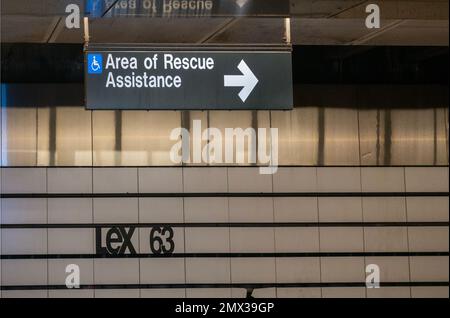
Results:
x,y
247,81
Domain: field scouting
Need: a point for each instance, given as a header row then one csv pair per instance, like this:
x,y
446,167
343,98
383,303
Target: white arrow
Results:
x,y
247,81
241,3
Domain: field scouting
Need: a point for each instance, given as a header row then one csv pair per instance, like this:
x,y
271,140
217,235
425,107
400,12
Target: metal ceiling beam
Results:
x,y
318,22
355,9
220,29
385,28
334,14
57,29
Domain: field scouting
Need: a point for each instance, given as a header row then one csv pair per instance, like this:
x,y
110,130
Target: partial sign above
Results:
x,y
188,78
187,8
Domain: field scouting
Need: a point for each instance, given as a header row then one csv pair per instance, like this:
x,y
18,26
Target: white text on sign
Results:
x,y
169,62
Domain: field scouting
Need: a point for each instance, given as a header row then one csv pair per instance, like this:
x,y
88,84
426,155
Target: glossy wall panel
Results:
x,y
19,139
311,136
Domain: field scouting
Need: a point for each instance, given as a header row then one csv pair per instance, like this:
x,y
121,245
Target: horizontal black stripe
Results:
x,y
225,255
225,194
226,166
244,47
225,285
225,225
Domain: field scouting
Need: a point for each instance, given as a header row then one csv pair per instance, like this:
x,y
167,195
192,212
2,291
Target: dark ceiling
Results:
x,y
313,22
63,63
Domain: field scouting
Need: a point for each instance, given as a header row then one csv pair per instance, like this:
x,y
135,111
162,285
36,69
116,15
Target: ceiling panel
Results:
x,y
252,30
37,7
155,30
319,22
27,29
420,33
330,31
320,8
400,9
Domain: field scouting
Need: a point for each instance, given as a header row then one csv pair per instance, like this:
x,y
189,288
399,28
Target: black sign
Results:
x,y
183,78
186,8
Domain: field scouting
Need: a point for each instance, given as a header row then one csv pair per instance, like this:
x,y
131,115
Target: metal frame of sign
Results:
x,y
265,93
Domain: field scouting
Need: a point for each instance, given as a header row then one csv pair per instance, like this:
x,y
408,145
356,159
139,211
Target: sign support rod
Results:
x,y
287,30
86,31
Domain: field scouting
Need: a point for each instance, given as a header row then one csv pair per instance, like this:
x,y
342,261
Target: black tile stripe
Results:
x,y
227,166
225,255
221,225
225,194
225,285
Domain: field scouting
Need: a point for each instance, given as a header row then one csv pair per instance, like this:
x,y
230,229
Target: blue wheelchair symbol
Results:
x,y
95,63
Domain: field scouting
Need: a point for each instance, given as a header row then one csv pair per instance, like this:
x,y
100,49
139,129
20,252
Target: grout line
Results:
x,y
93,220
318,234
407,231
226,224
227,255
46,207
139,230
184,232
235,285
229,232
273,207
363,229
231,195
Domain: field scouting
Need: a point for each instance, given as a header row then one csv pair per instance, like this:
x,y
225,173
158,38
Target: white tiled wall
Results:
x,y
80,180
83,209
115,180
